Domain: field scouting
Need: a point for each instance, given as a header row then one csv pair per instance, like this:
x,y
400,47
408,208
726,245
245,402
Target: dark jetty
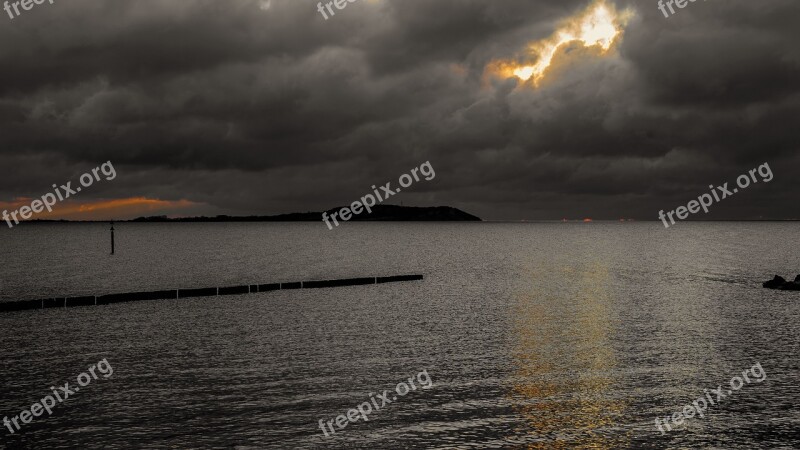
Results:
x,y
781,284
69,302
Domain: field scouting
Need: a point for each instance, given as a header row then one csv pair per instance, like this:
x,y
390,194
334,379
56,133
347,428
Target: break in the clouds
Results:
x,y
260,107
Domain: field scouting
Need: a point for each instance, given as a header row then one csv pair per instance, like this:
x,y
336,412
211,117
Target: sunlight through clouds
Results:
x,y
598,26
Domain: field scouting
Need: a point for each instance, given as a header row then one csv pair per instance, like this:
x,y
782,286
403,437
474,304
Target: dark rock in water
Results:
x,y
790,286
775,283
781,284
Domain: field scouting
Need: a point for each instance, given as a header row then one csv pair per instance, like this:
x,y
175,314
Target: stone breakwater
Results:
x,y
170,294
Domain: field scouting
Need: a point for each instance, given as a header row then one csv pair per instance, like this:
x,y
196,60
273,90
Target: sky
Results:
x,y
527,110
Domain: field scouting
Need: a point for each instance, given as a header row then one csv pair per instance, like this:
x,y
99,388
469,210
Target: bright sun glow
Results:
x,y
599,25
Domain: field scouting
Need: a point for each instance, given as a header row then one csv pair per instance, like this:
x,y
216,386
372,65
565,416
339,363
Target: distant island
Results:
x,y
380,213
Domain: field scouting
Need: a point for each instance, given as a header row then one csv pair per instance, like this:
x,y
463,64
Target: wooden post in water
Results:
x,y
112,237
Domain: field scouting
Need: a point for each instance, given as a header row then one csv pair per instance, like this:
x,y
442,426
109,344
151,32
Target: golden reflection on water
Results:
x,y
562,384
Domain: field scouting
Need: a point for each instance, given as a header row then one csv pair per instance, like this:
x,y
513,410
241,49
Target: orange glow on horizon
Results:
x,y
102,209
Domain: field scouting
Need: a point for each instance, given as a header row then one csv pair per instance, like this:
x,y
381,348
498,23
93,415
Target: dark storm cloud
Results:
x,y
266,107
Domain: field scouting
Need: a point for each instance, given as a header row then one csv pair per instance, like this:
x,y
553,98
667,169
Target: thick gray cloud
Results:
x,y
263,106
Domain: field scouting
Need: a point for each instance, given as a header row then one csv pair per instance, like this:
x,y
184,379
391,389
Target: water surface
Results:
x,y
538,335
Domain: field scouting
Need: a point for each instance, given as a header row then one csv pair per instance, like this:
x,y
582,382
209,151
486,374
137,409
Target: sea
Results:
x,y
541,335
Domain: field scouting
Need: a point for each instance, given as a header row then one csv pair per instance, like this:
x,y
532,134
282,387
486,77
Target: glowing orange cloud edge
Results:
x,y
600,25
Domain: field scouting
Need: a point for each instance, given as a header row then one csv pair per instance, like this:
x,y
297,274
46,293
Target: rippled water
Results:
x,y
541,335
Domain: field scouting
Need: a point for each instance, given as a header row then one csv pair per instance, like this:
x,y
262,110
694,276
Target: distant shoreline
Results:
x,y
256,219
380,213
